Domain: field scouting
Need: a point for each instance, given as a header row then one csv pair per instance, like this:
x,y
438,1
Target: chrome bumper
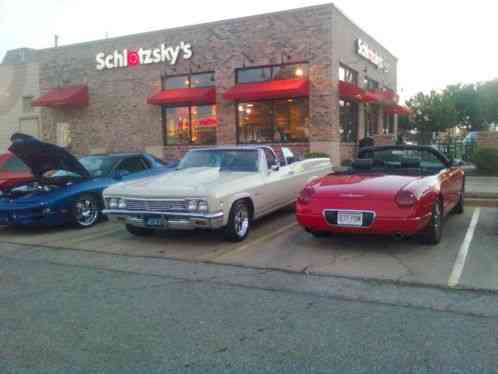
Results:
x,y
169,220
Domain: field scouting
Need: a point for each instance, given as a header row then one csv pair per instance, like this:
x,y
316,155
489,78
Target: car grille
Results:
x,y
331,217
156,205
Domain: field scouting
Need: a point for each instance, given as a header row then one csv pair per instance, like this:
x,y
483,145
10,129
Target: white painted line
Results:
x,y
464,250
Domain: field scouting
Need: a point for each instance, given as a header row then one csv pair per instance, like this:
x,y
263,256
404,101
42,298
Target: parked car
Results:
x,y
470,138
65,189
12,171
214,188
391,190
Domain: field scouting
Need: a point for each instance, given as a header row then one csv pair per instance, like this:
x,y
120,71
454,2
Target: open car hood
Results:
x,y
41,157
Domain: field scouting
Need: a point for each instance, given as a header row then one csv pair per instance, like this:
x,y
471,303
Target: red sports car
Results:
x,y
12,171
389,190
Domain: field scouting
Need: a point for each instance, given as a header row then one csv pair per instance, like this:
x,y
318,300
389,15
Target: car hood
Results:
x,y
41,157
362,186
191,182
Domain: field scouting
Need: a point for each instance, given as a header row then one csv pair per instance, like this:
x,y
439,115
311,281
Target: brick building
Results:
x,y
308,78
19,84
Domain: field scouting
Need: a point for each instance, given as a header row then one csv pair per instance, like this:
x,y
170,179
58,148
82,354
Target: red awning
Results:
x,y
397,109
184,96
67,96
350,91
276,89
373,96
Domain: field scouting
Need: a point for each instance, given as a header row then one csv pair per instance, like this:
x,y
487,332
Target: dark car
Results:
x,y
64,189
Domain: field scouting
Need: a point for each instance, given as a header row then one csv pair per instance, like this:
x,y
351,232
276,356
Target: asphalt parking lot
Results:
x,y
467,257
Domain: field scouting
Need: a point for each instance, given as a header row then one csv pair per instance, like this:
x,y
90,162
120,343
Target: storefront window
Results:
x,y
275,72
204,124
191,125
273,121
177,125
291,71
371,119
202,80
253,75
388,124
348,75
181,81
371,84
190,80
348,112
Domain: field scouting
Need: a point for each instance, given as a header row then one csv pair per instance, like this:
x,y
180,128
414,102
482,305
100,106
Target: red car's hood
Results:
x,y
361,186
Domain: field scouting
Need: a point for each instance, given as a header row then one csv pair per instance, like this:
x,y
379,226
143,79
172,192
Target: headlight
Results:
x,y
113,203
192,205
203,206
121,203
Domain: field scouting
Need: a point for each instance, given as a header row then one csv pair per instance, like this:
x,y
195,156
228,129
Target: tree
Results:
x,y
431,113
488,98
465,99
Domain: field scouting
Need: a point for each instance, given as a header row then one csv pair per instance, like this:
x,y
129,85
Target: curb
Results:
x,y
481,202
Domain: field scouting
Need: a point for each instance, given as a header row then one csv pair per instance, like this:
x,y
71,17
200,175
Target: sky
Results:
x,y
437,42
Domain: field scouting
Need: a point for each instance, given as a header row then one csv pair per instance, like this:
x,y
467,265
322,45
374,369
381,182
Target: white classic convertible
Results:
x,y
213,188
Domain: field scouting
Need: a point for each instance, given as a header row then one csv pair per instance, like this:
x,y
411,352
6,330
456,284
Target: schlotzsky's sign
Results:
x,y
365,51
143,56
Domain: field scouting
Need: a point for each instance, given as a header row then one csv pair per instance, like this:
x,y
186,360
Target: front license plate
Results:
x,y
349,219
154,222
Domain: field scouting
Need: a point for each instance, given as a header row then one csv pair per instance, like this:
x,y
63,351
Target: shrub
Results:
x,y
486,160
316,155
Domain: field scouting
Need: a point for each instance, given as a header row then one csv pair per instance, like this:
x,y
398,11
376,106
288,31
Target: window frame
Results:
x,y
273,128
353,72
271,67
355,108
164,108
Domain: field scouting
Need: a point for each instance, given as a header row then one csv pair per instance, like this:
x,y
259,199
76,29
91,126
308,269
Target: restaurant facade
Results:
x,y
308,78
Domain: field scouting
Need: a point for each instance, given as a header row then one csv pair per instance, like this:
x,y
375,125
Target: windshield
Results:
x,y
400,161
231,160
97,166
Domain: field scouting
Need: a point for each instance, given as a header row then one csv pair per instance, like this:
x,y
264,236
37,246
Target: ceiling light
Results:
x,y
299,72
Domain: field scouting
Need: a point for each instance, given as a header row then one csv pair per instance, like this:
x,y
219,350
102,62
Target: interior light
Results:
x,y
241,108
290,100
248,110
299,72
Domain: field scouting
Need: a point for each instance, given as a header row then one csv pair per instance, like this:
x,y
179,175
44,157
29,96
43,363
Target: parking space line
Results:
x,y
464,250
256,241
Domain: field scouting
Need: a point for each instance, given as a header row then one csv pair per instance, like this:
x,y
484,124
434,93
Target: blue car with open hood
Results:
x,y
64,189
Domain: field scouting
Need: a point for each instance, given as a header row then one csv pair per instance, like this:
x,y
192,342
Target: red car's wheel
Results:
x,y
433,232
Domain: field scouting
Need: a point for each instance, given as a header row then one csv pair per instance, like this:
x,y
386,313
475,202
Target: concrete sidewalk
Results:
x,y
484,187
481,191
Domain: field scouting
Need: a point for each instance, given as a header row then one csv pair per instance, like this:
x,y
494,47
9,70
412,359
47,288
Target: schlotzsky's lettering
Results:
x,y
128,57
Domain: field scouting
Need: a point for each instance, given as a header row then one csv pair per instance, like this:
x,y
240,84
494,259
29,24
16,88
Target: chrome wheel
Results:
x,y
241,221
86,211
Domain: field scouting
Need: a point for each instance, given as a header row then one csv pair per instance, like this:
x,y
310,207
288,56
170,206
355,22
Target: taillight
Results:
x,y
306,195
406,199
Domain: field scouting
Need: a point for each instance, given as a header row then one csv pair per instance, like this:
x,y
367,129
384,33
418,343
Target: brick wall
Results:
x,y
119,119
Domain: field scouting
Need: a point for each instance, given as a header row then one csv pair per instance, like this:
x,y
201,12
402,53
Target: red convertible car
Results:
x,y
390,190
12,171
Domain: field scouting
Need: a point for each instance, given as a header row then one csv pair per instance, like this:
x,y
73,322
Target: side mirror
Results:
x,y
120,174
275,167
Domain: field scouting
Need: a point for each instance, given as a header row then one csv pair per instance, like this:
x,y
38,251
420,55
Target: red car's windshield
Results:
x,y
400,161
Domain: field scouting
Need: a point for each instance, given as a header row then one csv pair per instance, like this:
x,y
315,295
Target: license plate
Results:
x,y
154,222
349,219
